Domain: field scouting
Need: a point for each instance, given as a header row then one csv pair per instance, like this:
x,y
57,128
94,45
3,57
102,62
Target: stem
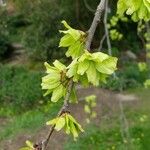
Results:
x,y
101,42
94,24
43,145
88,6
106,29
62,110
107,32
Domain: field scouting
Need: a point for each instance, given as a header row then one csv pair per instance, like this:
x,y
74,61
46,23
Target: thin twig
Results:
x,y
89,7
62,110
107,33
94,24
101,42
106,28
43,145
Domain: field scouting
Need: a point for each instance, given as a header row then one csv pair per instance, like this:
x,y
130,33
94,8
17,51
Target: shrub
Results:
x,y
127,77
20,88
5,46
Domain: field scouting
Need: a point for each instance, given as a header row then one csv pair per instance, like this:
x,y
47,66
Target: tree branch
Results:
x,y
43,145
101,42
106,29
107,32
94,24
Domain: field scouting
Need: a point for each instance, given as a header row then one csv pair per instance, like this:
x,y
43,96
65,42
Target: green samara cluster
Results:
x,y
139,9
67,122
86,68
92,68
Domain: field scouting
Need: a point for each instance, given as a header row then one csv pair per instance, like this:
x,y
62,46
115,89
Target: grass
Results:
x,y
105,136
27,121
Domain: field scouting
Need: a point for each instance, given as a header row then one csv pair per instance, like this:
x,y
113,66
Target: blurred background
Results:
x,y
29,36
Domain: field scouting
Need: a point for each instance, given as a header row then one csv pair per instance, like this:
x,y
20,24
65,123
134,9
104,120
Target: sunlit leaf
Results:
x,y
60,123
52,122
66,41
57,93
82,67
107,66
59,65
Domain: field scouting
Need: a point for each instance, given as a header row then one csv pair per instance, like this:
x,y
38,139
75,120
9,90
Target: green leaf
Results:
x,y
50,78
66,24
99,56
75,122
60,123
75,50
50,69
72,68
73,130
139,9
76,34
121,7
147,4
51,85
73,96
67,125
57,93
142,11
59,65
29,144
108,66
92,74
84,80
66,41
52,122
102,77
82,67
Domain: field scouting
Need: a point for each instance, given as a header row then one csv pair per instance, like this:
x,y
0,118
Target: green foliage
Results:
x,y
92,68
85,67
5,46
24,122
56,81
88,107
147,83
115,35
74,39
130,76
68,122
20,88
40,33
139,9
142,66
